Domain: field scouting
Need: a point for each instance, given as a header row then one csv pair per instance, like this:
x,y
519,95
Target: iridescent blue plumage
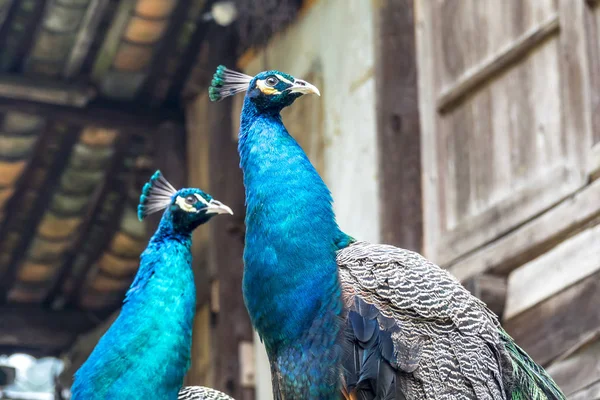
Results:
x,y
146,352
282,220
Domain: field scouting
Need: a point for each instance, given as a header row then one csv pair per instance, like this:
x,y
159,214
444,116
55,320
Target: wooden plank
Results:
x,y
427,83
94,209
558,324
102,214
496,63
52,154
576,82
85,37
590,393
592,27
46,331
398,127
163,53
110,115
571,261
490,289
16,87
542,193
533,238
577,371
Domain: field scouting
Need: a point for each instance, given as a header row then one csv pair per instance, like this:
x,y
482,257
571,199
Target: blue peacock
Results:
x,y
145,354
338,315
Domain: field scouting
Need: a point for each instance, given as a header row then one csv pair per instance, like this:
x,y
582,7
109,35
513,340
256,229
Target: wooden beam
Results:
x,y
165,50
110,115
18,87
91,20
110,218
589,393
577,371
232,327
30,34
398,126
54,140
190,57
533,238
110,182
46,331
496,63
571,261
560,323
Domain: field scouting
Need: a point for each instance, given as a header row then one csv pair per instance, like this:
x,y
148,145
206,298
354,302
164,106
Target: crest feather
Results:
x,y
156,195
227,82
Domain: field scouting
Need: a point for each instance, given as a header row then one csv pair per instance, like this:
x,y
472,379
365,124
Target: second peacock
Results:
x,y
340,315
146,352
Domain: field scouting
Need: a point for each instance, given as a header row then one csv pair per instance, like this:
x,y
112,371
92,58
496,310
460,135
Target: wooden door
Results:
x,y
505,115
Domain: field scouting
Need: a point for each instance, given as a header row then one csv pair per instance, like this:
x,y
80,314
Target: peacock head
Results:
x,y
269,90
185,209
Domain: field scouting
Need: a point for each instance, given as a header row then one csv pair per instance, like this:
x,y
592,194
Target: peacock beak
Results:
x,y
216,207
304,87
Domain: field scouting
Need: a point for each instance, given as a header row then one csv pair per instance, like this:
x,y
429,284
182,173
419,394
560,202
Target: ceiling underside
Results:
x,y
84,86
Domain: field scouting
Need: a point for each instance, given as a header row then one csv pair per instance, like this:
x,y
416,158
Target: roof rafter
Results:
x,y
50,154
111,183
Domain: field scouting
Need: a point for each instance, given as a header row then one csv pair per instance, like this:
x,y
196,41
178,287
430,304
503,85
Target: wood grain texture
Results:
x,y
571,261
398,127
589,393
557,324
508,150
576,83
592,27
496,63
579,370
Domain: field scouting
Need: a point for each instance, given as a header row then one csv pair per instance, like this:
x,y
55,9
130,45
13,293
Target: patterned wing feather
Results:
x,y
442,342
201,393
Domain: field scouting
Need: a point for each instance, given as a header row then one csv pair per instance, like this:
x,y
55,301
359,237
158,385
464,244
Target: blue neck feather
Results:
x,y
146,352
291,285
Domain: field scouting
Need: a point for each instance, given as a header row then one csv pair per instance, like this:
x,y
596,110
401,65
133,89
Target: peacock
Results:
x,y
345,317
146,352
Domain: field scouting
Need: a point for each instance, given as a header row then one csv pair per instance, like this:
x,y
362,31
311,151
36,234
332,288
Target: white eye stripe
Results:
x,y
201,199
281,78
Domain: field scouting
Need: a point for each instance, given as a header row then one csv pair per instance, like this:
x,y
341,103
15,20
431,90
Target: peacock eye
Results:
x,y
271,81
191,200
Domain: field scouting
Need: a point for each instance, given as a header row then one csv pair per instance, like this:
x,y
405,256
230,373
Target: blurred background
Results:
x,y
468,130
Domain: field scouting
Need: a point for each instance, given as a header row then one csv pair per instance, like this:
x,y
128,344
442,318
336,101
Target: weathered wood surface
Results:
x,y
534,237
398,127
571,261
589,393
506,147
560,323
578,371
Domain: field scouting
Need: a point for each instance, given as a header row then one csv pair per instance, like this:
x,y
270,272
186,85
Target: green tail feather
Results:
x,y
530,381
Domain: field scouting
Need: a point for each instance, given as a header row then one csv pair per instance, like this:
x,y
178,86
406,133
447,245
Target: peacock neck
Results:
x,y
146,351
290,275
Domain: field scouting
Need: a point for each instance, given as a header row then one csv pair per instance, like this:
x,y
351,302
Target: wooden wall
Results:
x,y
509,100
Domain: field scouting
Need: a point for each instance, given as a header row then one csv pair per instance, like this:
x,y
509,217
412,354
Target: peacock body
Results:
x,y
337,316
145,354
